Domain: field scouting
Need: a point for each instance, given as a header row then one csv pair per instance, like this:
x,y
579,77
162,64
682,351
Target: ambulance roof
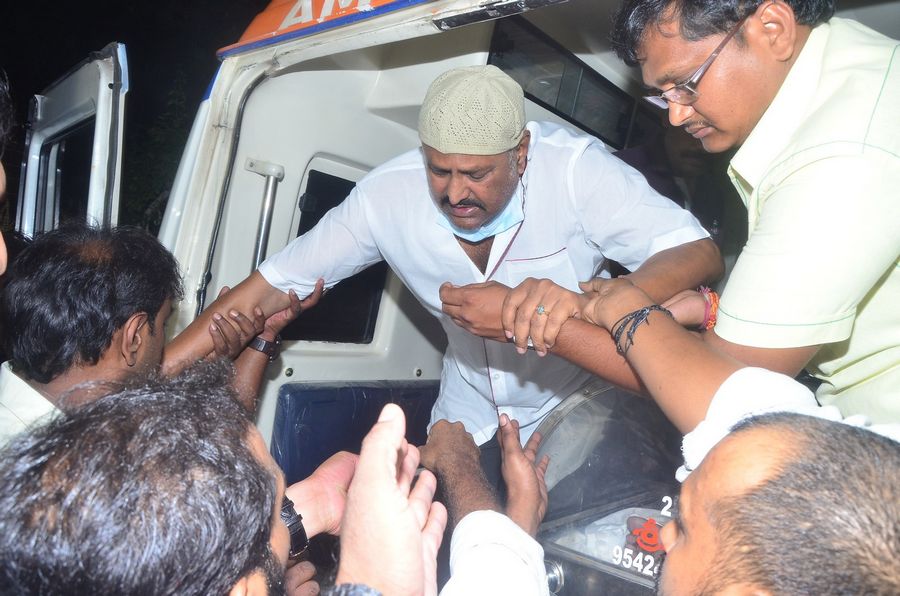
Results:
x,y
289,19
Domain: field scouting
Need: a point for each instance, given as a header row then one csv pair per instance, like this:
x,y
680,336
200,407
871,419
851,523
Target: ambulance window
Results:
x,y
347,313
65,170
555,79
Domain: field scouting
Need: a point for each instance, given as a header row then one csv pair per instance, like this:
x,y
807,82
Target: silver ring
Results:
x,y
540,310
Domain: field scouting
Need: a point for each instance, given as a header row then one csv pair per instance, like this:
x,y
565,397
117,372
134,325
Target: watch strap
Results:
x,y
269,348
294,523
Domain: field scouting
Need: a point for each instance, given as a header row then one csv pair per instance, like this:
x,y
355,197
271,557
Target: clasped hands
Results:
x,y
536,309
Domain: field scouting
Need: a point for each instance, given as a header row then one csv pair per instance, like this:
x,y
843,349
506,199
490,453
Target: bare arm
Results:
x,y
685,266
195,343
453,456
681,370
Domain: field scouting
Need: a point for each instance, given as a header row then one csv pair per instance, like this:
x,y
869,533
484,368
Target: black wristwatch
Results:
x,y
294,523
269,348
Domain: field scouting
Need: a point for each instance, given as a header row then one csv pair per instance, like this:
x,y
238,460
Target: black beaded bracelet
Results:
x,y
628,324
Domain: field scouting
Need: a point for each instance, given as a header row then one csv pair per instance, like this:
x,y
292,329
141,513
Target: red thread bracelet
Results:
x,y
711,311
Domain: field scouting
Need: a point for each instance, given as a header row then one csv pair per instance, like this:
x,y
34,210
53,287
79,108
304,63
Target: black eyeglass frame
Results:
x,y
685,93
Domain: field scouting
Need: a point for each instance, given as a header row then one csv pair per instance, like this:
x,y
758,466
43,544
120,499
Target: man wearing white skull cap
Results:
x,y
488,198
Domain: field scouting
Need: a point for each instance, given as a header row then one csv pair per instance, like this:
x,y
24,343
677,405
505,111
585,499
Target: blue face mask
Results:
x,y
511,215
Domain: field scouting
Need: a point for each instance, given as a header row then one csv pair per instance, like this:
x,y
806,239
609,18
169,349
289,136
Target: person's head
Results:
x,y
472,128
757,43
788,504
165,487
78,295
6,124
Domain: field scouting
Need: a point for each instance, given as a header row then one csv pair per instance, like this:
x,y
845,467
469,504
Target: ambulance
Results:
x,y
314,95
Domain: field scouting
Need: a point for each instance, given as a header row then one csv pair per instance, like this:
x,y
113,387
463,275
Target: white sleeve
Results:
x,y
622,215
339,246
490,554
747,392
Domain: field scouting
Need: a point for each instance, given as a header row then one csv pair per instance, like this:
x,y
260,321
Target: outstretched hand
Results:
x,y
537,309
392,529
281,319
321,498
526,503
475,307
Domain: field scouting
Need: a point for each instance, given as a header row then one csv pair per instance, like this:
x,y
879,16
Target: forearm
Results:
x,y
249,370
679,268
592,348
195,342
465,490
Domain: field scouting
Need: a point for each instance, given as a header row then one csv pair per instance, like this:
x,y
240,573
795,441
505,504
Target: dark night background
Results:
x,y
171,47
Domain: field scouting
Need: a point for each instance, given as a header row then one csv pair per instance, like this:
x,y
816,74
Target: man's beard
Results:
x,y
274,574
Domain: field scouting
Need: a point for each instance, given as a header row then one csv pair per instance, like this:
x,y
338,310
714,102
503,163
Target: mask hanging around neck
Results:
x,y
513,214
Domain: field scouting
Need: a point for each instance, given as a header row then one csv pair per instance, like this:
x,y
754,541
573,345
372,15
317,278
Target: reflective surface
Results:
x,y
612,483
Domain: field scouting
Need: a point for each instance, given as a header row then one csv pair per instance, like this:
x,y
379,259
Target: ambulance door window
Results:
x,y
64,180
348,312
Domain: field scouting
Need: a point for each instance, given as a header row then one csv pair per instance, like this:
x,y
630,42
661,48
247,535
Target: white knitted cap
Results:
x,y
474,110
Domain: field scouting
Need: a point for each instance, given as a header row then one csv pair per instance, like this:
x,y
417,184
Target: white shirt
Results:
x,y
752,392
490,554
21,405
582,206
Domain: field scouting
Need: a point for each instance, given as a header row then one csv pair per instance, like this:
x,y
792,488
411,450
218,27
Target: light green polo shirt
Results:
x,y
820,175
21,406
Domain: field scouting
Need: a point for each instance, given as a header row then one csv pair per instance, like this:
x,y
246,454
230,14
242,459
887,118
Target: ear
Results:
x,y
522,152
777,28
132,336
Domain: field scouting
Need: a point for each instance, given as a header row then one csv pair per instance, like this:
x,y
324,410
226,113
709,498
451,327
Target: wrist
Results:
x,y
308,503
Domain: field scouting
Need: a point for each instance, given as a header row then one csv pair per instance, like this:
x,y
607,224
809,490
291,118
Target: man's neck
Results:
x,y
92,382
478,252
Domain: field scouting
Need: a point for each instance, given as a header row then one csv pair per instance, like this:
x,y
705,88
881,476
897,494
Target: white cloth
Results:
x,y
752,392
490,554
21,405
582,205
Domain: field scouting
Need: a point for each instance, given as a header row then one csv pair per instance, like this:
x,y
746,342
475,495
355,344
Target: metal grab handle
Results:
x,y
273,173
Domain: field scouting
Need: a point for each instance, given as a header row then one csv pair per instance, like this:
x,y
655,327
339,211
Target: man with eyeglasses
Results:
x,y
812,105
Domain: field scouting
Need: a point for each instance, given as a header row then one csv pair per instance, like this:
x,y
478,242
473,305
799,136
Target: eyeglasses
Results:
x,y
686,93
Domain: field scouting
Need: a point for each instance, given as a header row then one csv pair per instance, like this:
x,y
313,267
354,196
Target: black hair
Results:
x,y
72,288
697,19
151,490
7,117
826,522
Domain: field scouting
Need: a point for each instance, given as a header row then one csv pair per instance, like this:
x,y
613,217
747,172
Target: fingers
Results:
x,y
222,292
298,580
432,535
421,496
296,305
226,339
531,446
509,310
542,467
450,294
381,448
313,298
509,436
248,328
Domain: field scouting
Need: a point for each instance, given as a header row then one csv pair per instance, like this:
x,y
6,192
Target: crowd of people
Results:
x,y
132,466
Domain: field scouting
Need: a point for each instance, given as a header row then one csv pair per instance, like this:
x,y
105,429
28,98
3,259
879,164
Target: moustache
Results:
x,y
445,202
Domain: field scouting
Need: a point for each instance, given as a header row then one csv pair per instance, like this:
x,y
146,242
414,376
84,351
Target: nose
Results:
x,y
457,189
668,534
679,114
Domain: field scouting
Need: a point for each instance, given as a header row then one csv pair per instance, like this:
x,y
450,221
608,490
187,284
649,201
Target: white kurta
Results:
x,y
582,206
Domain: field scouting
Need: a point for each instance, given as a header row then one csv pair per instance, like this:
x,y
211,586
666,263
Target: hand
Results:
x,y
231,336
476,307
527,490
391,534
449,445
298,579
611,299
321,497
688,307
522,320
281,319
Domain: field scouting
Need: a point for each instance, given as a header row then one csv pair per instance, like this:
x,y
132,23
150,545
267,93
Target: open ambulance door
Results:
x,y
72,162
